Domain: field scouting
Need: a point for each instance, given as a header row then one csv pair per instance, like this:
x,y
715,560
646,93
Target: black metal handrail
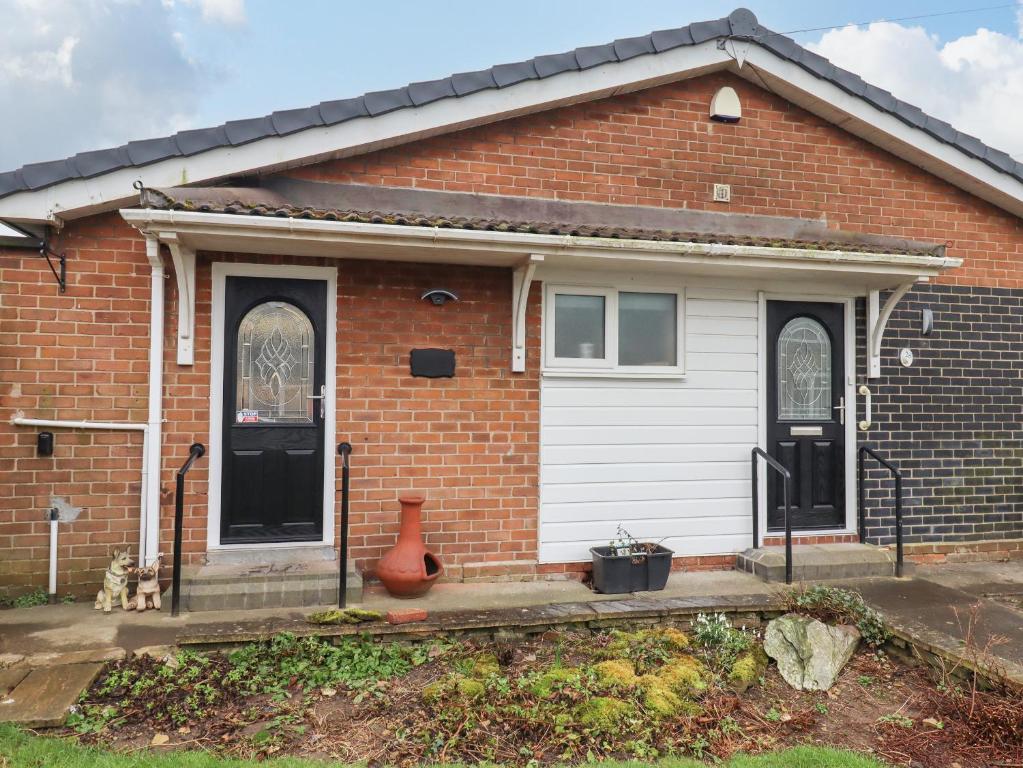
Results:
x,y
344,450
196,451
864,451
787,496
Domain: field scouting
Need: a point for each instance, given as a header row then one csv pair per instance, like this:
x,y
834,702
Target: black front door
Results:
x,y
805,432
273,434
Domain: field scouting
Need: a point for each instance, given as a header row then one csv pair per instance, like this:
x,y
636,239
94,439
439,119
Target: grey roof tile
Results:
x,y
244,131
39,175
333,112
430,90
465,83
193,142
382,102
510,74
595,55
740,23
288,121
101,161
666,39
702,31
631,47
10,181
152,150
555,64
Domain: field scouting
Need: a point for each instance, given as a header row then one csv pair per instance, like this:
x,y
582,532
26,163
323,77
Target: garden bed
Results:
x,y
562,697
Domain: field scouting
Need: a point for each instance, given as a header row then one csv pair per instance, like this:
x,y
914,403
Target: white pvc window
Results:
x,y
594,329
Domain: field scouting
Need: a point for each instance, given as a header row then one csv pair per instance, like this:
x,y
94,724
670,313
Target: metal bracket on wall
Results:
x,y
877,321
38,243
184,271
522,279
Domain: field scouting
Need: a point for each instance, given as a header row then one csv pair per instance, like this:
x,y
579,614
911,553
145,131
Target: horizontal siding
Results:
x,y
668,460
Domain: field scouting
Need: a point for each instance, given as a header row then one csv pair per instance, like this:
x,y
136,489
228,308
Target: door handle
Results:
x,y
865,391
322,397
841,409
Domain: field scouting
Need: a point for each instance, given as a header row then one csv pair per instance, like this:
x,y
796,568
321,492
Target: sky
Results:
x,y
77,75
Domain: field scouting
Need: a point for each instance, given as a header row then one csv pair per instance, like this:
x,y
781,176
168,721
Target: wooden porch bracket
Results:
x,y
184,271
522,279
877,321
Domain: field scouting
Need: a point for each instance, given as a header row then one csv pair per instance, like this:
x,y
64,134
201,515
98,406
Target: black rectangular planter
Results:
x,y
616,574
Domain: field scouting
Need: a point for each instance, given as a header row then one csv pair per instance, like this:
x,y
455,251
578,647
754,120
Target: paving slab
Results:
x,y
9,678
939,619
42,699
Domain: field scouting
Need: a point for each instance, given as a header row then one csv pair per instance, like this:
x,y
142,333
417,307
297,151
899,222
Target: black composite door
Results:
x,y
273,433
805,432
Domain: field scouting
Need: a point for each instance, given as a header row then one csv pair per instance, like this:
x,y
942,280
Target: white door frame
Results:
x,y
850,405
221,271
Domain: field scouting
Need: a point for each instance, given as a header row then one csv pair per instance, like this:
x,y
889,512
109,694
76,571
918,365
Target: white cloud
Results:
x,y
77,75
974,82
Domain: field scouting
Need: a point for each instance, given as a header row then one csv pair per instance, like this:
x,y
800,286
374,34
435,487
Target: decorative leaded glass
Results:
x,y
275,365
804,371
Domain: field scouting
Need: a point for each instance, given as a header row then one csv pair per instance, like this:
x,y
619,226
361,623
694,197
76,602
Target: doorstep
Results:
x,y
281,584
818,562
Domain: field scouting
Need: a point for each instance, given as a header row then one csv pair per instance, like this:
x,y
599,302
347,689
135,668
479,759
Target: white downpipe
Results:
x,y
116,426
153,453
53,555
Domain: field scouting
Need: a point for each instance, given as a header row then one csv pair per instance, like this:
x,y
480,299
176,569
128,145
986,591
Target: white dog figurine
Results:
x,y
115,582
147,593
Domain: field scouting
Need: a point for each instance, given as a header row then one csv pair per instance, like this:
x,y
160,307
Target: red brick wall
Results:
x,y
84,354
658,148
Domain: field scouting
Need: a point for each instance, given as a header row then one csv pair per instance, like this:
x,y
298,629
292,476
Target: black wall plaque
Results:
x,y
433,363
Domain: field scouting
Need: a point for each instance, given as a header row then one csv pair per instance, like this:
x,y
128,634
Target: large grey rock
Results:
x,y
810,654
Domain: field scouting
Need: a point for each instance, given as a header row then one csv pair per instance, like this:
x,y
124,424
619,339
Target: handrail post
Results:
x,y
196,451
756,502
861,511
866,450
344,450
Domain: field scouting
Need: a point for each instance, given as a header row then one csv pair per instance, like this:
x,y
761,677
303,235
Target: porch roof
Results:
x,y
282,197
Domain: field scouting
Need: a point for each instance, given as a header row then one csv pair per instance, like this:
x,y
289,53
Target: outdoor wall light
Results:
x,y
44,444
439,296
926,321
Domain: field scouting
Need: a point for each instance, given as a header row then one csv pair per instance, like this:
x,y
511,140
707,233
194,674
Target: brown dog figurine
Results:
x,y
147,593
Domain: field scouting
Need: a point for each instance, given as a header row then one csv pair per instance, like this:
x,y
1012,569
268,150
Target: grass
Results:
x,y
23,750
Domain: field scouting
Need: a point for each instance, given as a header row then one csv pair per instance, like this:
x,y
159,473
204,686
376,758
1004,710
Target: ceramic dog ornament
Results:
x,y
115,582
147,593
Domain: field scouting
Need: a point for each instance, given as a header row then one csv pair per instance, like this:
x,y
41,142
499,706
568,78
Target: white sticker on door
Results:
x,y
247,416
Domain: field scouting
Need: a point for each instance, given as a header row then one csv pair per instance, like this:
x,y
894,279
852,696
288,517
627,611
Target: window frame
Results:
x,y
608,366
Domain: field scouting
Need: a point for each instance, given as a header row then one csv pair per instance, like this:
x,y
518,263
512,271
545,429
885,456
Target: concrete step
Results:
x,y
275,585
819,562
42,698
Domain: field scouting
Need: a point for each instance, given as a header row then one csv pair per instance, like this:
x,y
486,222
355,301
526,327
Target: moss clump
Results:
x,y
347,616
435,691
469,688
605,713
485,665
684,675
554,679
747,669
615,672
676,639
660,701
646,648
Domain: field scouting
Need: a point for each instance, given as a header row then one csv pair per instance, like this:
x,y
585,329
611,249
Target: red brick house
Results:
x,y
664,251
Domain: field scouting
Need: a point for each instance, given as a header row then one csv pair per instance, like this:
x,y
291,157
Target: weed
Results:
x,y
832,604
38,596
865,680
821,708
773,715
896,719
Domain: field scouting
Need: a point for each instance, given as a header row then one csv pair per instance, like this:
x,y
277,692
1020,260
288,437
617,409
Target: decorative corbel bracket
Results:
x,y
522,279
184,270
877,321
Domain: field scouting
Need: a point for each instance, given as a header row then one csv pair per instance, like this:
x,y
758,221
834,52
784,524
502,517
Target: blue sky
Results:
x,y
83,74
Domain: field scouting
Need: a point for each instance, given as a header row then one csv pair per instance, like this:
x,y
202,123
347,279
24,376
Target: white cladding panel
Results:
x,y
668,459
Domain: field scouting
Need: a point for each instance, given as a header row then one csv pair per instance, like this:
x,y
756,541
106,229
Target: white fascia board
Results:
x,y
860,118
72,199
254,234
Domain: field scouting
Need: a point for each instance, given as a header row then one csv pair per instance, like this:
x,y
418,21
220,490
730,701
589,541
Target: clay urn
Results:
x,y
409,569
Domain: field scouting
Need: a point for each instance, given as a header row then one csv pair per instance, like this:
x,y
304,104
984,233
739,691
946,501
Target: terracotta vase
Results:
x,y
409,569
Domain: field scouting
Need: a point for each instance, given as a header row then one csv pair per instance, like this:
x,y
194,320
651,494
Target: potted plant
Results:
x,y
628,565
